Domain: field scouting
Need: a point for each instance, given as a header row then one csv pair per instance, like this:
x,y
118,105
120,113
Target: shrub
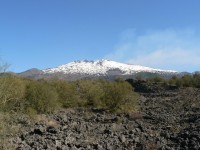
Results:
x,y
173,80
187,81
44,96
12,91
120,97
156,79
113,96
91,92
196,78
67,93
31,112
184,81
41,97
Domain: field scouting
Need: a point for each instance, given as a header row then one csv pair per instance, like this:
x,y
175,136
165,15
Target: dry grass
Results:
x,y
46,120
8,129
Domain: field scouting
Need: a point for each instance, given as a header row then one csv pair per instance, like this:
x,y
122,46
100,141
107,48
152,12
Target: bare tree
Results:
x,y
4,67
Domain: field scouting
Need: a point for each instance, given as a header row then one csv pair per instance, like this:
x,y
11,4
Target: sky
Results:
x,y
41,34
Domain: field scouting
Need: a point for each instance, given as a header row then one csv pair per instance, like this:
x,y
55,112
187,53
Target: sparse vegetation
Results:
x,y
40,96
184,81
43,96
119,96
8,128
33,99
30,97
12,92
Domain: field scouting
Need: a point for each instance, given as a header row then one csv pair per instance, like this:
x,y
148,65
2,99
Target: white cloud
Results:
x,y
164,49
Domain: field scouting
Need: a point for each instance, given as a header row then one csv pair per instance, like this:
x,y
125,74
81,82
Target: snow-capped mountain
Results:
x,y
102,67
105,69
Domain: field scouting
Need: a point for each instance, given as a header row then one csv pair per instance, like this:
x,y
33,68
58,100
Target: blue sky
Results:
x,y
40,34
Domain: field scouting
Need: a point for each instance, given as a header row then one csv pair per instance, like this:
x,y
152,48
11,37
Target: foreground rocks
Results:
x,y
169,119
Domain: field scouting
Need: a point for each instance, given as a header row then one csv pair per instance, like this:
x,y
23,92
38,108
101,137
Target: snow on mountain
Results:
x,y
102,67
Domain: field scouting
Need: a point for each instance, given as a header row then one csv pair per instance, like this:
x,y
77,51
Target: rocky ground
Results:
x,y
169,119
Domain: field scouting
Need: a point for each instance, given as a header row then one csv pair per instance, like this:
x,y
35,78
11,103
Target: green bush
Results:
x,y
187,81
41,97
67,93
12,91
196,78
120,97
91,92
184,81
156,79
179,83
114,96
173,80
